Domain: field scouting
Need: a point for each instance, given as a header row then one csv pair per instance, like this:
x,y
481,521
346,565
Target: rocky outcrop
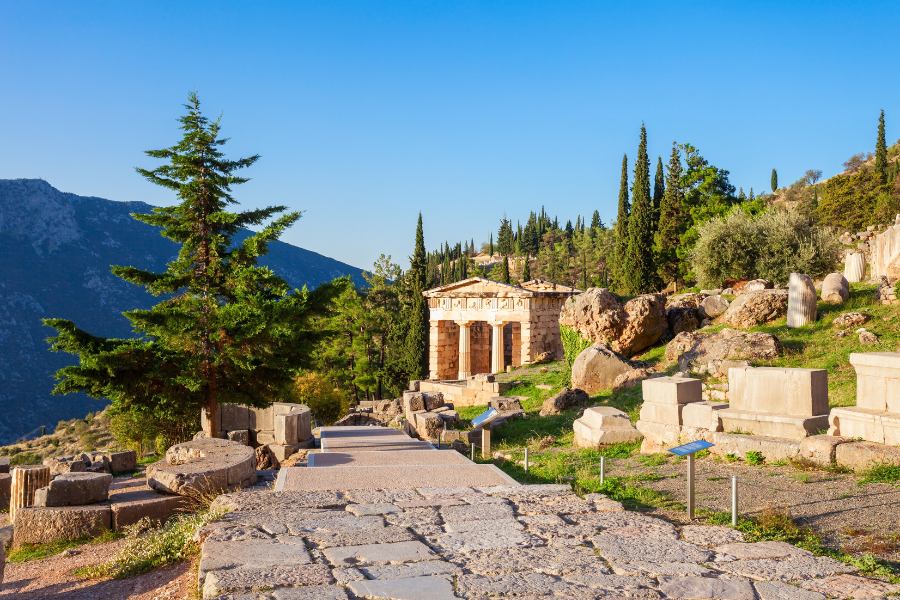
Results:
x,y
694,350
596,369
801,300
751,309
835,289
266,459
565,400
599,316
686,300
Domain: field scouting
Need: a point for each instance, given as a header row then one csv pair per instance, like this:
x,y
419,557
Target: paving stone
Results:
x,y
436,503
601,505
311,592
418,569
776,590
379,554
244,597
483,540
416,516
537,488
235,533
273,501
447,492
482,525
613,547
476,512
427,530
485,499
641,531
276,522
251,580
435,587
610,583
337,525
791,569
386,535
551,561
850,586
254,554
347,574
577,533
707,588
381,508
383,496
545,520
572,506
610,519
658,568
519,584
762,550
711,535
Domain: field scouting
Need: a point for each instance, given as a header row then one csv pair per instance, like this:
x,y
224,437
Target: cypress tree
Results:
x,y
526,271
417,263
505,242
504,274
774,180
584,270
640,272
229,331
416,310
659,189
671,220
595,220
881,164
491,248
621,231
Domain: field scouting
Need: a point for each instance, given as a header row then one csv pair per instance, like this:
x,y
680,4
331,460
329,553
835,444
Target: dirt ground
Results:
x,y
846,516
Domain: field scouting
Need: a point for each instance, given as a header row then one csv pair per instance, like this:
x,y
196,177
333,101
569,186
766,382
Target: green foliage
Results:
x,y
573,343
505,242
504,271
639,270
849,200
754,457
621,229
326,403
881,472
228,330
672,224
707,194
526,270
881,162
26,552
771,245
774,181
25,458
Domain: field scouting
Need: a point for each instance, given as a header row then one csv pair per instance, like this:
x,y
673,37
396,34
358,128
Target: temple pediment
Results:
x,y
478,287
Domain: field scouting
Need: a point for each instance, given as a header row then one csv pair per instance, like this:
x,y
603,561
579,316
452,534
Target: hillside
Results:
x,y
57,252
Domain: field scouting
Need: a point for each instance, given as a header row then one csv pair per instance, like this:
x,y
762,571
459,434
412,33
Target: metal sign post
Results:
x,y
688,450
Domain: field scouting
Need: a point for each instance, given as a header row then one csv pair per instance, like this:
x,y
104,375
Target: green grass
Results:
x,y
754,457
27,552
882,472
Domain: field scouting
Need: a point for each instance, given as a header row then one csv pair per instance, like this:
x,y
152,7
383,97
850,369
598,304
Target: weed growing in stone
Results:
x,y
754,457
882,472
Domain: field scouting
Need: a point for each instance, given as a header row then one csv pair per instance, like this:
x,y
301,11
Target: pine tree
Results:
x,y
505,243
621,231
741,195
526,271
671,223
596,223
640,275
751,197
584,285
228,330
504,274
881,163
774,180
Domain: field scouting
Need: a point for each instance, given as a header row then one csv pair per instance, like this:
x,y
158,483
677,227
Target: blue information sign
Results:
x,y
485,417
691,448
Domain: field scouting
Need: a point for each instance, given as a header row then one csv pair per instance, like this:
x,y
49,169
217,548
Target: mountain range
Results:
x,y
56,250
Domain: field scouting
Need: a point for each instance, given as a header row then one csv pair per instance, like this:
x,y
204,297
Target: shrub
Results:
x,y
771,245
754,457
573,343
316,392
80,426
849,201
61,426
25,458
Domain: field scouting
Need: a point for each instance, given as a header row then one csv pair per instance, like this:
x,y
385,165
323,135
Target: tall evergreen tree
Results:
x,y
774,180
416,308
505,242
229,330
640,275
504,274
417,263
491,247
621,231
526,271
671,222
659,189
881,162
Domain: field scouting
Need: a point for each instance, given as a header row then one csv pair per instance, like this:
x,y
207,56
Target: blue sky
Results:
x,y
366,113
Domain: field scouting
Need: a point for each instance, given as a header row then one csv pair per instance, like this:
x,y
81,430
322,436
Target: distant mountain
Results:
x,y
55,255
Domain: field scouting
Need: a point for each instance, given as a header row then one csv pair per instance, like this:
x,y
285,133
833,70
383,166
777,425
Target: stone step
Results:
x,y
402,458
389,477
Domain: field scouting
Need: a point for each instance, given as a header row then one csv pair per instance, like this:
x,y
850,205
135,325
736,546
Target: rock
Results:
x,y
65,464
543,357
202,466
241,436
74,489
2,563
546,442
696,349
4,465
630,379
867,337
758,285
566,399
712,307
122,462
851,319
596,369
821,448
5,490
685,300
460,447
855,268
682,319
755,308
38,525
801,301
598,316
835,288
130,507
429,425
266,459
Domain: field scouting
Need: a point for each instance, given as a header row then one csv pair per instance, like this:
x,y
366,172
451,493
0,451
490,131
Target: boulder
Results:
x,y
685,300
65,464
429,425
801,301
460,446
755,308
596,369
693,350
630,379
266,459
682,319
74,489
868,338
599,316
202,466
835,288
851,319
567,399
4,465
713,306
758,285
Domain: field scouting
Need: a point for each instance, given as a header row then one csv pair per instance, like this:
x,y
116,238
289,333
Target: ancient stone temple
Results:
x,y
481,326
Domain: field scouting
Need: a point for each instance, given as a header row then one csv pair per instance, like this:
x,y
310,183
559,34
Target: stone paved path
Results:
x,y
473,542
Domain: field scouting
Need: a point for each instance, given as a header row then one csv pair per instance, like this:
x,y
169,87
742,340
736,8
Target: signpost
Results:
x,y
484,422
689,450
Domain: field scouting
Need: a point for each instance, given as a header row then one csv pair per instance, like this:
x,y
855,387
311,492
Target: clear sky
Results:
x,y
366,113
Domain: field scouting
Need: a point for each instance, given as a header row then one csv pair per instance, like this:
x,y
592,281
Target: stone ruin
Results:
x,y
876,416
427,415
283,426
93,462
603,425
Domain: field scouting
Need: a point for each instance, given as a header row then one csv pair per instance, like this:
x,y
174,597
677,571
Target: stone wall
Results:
x,y
443,353
481,333
283,426
474,391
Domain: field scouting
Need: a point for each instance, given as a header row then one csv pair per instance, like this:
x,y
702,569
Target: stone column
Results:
x,y
801,300
25,482
465,349
497,363
855,269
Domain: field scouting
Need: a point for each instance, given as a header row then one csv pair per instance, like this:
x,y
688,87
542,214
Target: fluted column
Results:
x,y
25,482
855,269
497,363
465,349
801,300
